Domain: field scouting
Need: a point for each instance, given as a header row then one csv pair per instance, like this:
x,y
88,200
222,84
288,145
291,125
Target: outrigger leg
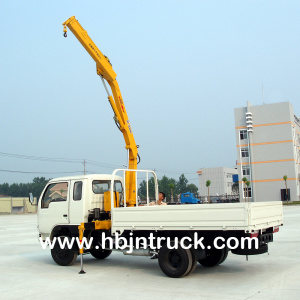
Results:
x,y
81,230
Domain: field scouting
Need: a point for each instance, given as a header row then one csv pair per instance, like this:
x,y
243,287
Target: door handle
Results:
x,y
65,216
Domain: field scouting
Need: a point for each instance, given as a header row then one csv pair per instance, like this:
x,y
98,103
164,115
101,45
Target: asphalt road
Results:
x,y
28,271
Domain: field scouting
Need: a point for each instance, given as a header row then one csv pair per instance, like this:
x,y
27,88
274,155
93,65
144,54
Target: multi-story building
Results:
x,y
268,148
221,181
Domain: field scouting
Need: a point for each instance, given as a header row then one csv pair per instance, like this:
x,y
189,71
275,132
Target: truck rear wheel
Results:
x,y
63,256
214,257
194,261
225,256
100,253
175,262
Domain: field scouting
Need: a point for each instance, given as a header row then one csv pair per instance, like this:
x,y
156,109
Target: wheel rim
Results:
x,y
62,253
214,256
174,260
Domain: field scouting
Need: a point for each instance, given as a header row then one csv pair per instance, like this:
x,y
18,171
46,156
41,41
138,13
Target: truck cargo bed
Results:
x,y
224,216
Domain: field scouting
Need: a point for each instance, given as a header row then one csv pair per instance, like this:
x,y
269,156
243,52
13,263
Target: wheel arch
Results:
x,y
64,230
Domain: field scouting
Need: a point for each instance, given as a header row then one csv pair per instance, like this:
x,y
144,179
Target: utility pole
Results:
x,y
84,166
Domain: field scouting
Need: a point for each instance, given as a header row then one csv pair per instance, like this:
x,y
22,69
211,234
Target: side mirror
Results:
x,y
31,198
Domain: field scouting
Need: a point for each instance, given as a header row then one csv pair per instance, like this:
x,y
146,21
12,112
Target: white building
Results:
x,y
221,181
268,147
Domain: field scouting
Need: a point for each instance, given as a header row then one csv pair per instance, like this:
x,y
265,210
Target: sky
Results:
x,y
182,67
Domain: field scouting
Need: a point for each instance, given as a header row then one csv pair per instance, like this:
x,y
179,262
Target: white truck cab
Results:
x,y
70,200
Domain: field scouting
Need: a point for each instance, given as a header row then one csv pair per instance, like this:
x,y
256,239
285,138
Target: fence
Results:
x,y
220,199
203,199
10,205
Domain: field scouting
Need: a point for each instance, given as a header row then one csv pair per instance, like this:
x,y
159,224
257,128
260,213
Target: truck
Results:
x,y
103,209
188,198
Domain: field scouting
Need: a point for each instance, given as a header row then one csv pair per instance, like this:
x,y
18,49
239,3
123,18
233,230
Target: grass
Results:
x,y
291,203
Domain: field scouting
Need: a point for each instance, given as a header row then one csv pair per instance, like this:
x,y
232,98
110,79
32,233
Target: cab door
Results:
x,y
53,207
77,208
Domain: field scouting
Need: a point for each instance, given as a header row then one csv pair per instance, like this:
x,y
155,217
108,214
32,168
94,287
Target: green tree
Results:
x,y
163,185
181,186
23,189
4,189
14,190
37,186
247,184
192,188
244,187
169,186
142,192
235,187
152,188
142,189
173,191
172,185
208,182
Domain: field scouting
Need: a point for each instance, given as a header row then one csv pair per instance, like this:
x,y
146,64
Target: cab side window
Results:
x,y
101,186
55,192
77,190
118,187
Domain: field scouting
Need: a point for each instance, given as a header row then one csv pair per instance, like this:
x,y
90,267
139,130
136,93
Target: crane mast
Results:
x,y
106,72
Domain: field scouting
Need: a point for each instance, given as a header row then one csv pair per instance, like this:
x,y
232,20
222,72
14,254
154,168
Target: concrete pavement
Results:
x,y
28,271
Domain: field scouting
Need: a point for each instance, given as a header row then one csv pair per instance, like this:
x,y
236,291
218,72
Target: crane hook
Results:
x,y
65,30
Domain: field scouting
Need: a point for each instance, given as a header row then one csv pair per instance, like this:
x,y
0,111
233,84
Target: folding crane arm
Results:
x,y
105,70
104,67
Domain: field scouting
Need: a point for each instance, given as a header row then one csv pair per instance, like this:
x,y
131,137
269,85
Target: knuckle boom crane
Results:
x,y
106,73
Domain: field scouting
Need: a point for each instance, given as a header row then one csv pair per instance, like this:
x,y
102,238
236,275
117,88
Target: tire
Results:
x,y
100,253
214,257
65,256
194,261
175,263
225,255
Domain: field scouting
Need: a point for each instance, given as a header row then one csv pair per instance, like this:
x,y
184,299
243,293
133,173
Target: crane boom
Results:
x,y
105,71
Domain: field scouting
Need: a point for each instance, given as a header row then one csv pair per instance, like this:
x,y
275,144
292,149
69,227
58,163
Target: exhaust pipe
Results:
x,y
138,252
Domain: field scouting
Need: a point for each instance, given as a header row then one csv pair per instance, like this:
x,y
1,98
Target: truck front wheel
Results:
x,y
63,256
175,262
